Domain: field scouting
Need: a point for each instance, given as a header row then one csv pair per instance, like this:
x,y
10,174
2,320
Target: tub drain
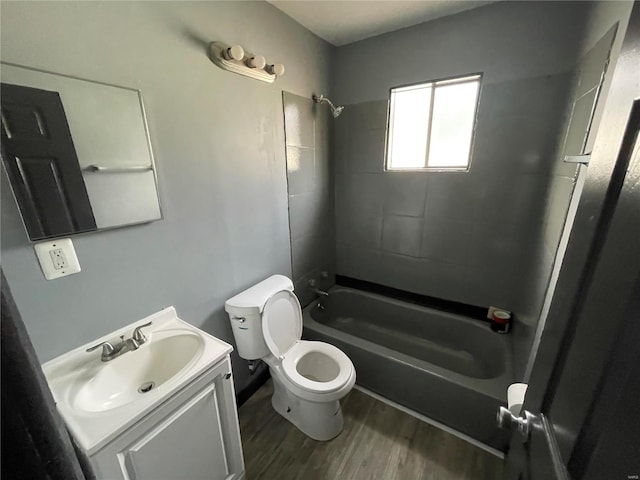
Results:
x,y
146,387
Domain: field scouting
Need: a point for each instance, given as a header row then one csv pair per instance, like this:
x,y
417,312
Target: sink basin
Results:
x,y
124,379
99,400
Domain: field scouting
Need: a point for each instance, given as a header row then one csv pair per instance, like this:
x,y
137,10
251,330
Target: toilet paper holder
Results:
x,y
521,424
514,418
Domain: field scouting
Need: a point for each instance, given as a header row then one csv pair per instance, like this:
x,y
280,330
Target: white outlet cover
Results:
x,y
46,262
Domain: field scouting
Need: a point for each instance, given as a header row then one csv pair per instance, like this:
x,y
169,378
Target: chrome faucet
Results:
x,y
110,351
322,295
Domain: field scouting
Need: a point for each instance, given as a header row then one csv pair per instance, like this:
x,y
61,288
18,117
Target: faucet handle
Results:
x,y
107,349
138,335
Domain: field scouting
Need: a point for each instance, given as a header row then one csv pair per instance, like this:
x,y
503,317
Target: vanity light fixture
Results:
x,y
234,58
256,62
234,52
276,69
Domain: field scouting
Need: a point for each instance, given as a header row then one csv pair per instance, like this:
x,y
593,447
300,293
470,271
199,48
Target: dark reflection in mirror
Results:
x,y
77,153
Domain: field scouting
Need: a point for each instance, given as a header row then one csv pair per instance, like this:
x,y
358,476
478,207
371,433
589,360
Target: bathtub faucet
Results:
x,y
322,295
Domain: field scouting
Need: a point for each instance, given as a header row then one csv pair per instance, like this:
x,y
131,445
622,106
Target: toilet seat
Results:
x,y
282,331
302,348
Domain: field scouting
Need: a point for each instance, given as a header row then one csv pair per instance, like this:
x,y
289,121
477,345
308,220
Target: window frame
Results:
x,y
465,78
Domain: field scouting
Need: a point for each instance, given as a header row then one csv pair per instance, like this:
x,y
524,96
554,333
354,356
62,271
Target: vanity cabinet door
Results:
x,y
194,436
188,444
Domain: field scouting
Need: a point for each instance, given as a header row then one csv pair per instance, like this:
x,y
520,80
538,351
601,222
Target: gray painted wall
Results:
x,y
505,40
218,140
310,183
470,237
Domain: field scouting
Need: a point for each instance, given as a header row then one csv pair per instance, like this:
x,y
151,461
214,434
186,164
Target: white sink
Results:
x,y
126,378
100,399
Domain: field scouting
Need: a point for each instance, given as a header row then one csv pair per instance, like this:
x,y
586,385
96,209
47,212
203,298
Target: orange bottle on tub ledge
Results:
x,y
501,321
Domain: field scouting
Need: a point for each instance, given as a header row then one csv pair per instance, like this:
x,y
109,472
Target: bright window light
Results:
x,y
431,125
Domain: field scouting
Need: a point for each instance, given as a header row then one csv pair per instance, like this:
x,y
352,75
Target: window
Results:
x,y
431,125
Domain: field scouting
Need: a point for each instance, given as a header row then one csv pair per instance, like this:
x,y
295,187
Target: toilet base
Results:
x,y
318,420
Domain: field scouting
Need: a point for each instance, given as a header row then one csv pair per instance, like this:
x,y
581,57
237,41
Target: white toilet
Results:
x,y
309,378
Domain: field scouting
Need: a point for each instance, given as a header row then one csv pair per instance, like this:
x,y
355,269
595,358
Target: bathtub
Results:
x,y
444,366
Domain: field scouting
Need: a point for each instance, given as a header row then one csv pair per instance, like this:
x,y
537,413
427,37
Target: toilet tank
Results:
x,y
245,314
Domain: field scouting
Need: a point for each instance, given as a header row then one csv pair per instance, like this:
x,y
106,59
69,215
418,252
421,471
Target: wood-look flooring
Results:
x,y
378,442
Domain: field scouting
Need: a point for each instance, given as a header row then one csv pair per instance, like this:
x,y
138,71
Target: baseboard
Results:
x,y
433,422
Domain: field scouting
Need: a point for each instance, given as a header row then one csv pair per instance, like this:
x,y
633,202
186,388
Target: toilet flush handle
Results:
x,y
240,319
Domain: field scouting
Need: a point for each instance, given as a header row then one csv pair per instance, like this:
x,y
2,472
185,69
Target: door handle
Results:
x,y
521,424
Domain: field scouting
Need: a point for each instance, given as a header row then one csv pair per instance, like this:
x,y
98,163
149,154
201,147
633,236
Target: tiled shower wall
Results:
x,y
579,139
587,78
487,236
311,204
463,236
471,237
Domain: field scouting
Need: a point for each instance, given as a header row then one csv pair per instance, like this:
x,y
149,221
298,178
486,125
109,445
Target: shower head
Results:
x,y
335,111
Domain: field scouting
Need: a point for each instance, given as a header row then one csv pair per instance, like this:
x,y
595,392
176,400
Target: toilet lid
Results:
x,y
282,322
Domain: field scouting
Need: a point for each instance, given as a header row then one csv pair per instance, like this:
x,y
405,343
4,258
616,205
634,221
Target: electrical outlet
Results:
x,y
57,258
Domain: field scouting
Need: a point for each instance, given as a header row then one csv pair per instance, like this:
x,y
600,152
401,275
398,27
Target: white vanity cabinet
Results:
x,y
193,435
162,409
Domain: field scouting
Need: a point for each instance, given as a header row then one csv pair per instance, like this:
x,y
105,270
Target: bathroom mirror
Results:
x,y
77,153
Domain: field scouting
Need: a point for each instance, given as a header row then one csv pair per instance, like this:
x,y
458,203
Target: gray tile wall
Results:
x,y
575,131
311,204
468,237
483,232
485,237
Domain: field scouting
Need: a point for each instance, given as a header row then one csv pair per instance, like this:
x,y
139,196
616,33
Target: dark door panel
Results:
x,y
42,165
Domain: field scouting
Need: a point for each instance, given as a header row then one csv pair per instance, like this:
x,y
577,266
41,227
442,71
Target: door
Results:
x,y
585,377
41,162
